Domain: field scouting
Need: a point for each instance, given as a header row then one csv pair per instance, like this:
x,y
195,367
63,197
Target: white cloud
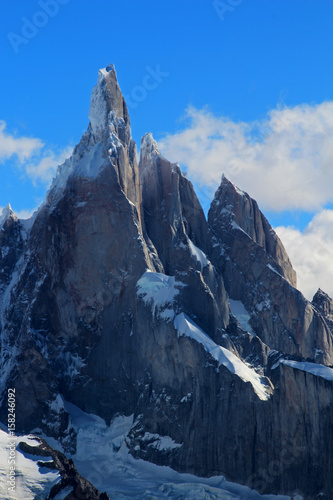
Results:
x,y
25,213
37,162
22,147
44,168
33,159
311,253
284,161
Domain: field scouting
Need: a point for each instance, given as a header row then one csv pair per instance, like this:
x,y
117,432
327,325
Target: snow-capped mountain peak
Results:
x,y
149,152
107,105
148,144
188,334
6,212
109,131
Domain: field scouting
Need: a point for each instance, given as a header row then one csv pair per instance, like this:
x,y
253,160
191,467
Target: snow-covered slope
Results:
x,y
103,458
242,315
159,291
185,326
32,482
313,368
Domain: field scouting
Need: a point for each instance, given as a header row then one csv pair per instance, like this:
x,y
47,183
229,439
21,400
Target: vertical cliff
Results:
x,y
121,298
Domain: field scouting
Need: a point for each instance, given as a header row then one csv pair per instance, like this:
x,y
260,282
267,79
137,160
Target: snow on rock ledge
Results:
x,y
188,328
305,366
241,314
149,145
198,254
159,291
161,443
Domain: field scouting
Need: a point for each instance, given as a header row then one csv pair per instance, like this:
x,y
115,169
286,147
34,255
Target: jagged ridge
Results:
x,y
77,321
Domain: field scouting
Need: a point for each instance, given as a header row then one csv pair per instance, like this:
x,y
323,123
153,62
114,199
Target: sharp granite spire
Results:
x,y
108,138
107,106
6,212
122,299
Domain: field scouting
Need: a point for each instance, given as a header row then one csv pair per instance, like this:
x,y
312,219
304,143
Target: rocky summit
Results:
x,y
121,299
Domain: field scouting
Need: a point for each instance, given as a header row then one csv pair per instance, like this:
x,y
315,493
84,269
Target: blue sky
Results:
x,y
242,65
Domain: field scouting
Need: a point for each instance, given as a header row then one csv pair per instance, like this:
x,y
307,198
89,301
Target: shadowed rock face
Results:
x,y
177,226
238,209
91,298
257,272
72,303
11,245
323,303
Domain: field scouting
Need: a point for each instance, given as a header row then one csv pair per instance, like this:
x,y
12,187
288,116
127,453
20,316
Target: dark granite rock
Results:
x,y
76,322
280,315
323,303
70,477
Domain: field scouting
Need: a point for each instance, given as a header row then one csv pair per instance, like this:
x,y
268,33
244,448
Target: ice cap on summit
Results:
x,y
6,212
106,96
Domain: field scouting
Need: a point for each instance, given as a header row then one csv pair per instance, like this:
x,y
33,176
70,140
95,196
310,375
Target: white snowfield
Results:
x,y
98,110
159,290
160,442
185,326
104,459
88,166
198,254
31,482
243,317
305,366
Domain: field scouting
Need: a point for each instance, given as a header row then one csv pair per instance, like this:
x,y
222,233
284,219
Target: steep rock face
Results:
x,y
107,142
280,315
173,213
241,210
11,245
263,443
72,299
323,303
200,406
283,442
176,225
117,302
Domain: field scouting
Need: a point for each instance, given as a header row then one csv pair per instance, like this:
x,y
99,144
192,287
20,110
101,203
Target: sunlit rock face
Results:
x,y
121,298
